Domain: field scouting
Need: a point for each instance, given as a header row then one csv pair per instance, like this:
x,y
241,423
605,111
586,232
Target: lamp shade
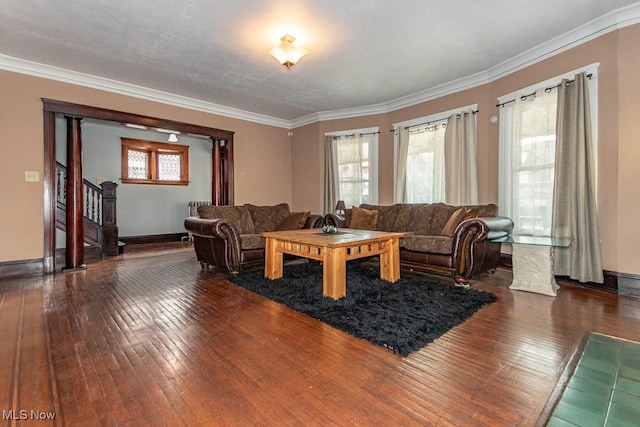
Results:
x,y
287,53
340,207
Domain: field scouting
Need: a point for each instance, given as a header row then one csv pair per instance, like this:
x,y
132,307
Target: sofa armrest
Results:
x,y
474,250
314,221
216,242
485,228
215,228
335,220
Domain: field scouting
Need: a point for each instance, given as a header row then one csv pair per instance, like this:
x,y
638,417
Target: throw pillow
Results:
x,y
456,218
295,221
363,219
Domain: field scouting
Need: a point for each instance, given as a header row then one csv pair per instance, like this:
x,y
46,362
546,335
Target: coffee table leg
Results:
x,y
390,262
334,273
273,260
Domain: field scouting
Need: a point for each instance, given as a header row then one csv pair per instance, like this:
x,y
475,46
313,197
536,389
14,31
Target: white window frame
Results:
x,y
373,160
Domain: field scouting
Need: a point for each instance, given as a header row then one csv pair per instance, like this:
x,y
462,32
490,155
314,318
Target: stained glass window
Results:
x,y
138,164
148,162
169,167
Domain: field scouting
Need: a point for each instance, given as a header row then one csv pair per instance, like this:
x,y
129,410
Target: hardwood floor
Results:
x,y
148,338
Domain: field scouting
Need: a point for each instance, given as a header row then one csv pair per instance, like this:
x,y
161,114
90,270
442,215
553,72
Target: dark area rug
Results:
x,y
403,316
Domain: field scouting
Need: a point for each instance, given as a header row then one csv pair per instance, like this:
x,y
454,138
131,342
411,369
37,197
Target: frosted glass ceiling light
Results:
x,y
287,53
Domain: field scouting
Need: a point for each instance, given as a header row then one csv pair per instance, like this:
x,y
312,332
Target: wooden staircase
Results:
x,y
99,214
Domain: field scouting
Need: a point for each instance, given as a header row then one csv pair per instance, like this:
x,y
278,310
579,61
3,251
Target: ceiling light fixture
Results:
x,y
287,53
173,138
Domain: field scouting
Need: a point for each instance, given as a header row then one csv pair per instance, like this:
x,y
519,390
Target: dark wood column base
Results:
x,y
76,268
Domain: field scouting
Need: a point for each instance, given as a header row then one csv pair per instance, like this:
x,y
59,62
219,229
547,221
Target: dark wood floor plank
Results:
x,y
150,338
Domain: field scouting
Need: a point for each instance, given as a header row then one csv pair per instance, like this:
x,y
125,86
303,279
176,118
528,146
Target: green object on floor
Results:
x,y
604,389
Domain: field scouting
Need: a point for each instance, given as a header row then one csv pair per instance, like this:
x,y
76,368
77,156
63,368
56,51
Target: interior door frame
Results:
x,y
221,186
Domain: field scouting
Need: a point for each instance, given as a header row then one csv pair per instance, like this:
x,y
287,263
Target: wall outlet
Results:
x,y
31,176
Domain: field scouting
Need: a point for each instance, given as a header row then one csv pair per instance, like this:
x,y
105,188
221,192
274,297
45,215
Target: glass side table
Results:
x,y
532,260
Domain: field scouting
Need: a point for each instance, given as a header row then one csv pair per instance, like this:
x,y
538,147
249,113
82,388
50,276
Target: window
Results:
x,y
425,165
527,156
530,162
147,162
420,165
356,167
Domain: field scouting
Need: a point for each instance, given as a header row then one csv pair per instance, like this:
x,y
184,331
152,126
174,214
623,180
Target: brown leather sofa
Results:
x,y
228,237
440,238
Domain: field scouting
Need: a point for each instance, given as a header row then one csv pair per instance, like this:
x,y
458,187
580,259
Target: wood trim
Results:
x,y
23,268
571,362
153,238
87,111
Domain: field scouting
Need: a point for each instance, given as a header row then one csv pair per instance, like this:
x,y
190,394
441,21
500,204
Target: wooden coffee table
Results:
x,y
333,250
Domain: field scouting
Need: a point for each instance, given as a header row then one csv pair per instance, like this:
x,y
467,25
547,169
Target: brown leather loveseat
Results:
x,y
440,238
228,237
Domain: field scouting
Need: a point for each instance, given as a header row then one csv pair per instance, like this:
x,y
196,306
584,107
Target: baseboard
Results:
x,y
22,268
629,284
152,238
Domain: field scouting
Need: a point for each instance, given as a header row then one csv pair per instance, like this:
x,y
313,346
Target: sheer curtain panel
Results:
x,y
425,165
460,156
527,162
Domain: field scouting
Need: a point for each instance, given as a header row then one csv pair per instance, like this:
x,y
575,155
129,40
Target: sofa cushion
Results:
x,y
363,219
294,221
432,244
267,218
456,218
415,218
386,216
238,215
252,241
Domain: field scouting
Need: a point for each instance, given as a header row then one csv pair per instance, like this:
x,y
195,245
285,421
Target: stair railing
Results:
x,y
99,211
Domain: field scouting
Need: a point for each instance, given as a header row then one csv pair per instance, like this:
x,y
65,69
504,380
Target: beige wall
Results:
x,y
627,181
262,154
618,147
271,166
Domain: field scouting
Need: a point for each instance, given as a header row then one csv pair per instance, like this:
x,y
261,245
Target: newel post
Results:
x,y
109,227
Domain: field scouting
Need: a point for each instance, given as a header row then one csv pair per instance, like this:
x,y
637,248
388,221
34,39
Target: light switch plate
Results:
x,y
31,176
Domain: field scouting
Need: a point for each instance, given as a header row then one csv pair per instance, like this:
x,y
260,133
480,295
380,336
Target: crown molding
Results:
x,y
612,21
49,72
367,110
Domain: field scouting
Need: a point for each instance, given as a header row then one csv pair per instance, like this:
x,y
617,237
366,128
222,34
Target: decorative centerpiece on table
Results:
x,y
330,229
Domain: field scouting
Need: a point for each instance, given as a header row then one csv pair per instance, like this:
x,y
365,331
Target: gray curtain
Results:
x,y
401,136
574,202
330,183
460,157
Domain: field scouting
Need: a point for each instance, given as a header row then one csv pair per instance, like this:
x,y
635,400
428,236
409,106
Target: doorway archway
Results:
x,y
221,157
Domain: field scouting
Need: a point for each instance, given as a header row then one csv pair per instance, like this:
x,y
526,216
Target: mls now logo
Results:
x,y
23,414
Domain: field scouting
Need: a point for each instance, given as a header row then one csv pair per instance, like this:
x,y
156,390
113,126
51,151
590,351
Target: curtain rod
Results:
x,y
351,135
437,120
546,90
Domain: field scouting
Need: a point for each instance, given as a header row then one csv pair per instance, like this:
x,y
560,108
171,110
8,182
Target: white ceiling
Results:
x,y
363,54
